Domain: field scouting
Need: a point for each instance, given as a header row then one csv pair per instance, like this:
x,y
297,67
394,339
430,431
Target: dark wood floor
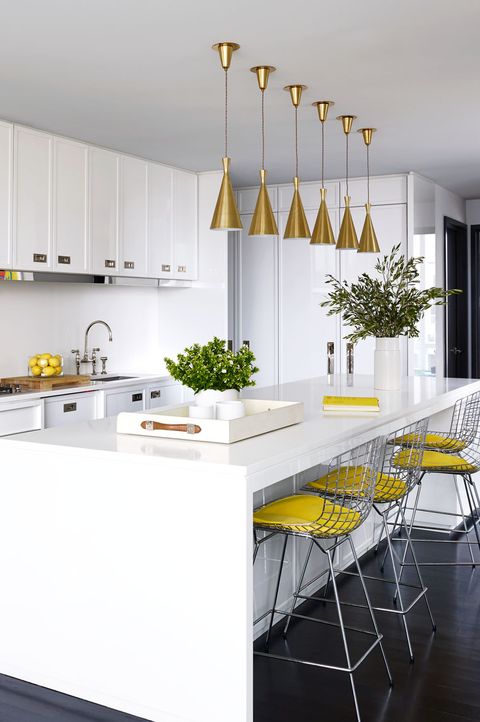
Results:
x,y
442,685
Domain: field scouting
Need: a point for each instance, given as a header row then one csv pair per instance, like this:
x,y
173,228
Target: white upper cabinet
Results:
x,y
160,221
185,232
133,217
6,178
70,239
384,190
103,204
32,218
310,194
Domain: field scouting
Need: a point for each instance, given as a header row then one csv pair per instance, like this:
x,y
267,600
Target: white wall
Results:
x,y
147,323
473,212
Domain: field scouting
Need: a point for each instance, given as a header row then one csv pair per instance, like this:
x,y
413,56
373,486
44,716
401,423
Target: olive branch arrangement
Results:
x,y
386,306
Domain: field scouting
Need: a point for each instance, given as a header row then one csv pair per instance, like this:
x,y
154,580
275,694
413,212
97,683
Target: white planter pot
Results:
x,y
387,370
209,397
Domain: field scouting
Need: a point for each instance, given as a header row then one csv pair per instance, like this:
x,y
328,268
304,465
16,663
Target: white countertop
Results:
x,y
98,384
285,451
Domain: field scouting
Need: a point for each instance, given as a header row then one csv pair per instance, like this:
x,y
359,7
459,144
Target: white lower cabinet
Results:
x,y
68,409
18,417
132,399
164,395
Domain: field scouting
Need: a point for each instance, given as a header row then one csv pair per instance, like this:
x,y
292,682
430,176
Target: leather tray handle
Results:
x,y
157,426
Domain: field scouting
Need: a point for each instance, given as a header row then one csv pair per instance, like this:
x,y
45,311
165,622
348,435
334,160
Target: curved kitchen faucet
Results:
x,y
93,360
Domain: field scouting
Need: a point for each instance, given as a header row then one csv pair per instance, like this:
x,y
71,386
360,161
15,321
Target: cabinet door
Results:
x,y
258,323
70,206
61,410
32,200
390,223
160,221
6,180
131,400
185,224
103,204
305,328
164,395
133,217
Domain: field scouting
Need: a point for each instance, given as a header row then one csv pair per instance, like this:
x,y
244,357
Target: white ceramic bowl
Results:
x,y
201,412
227,410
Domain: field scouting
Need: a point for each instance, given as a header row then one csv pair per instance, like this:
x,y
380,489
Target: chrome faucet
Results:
x,y
93,360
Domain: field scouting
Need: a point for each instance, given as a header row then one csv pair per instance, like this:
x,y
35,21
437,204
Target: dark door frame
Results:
x,y
452,224
474,298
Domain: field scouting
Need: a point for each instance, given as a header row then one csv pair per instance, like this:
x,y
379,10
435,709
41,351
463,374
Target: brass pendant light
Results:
x,y
347,238
323,231
368,239
226,216
263,221
297,225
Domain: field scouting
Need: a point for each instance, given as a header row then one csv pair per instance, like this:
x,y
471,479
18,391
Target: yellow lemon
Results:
x,y
54,361
45,355
42,362
48,371
58,371
36,370
32,362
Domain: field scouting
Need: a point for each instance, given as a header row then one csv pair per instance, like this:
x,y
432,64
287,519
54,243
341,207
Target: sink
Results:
x,y
106,379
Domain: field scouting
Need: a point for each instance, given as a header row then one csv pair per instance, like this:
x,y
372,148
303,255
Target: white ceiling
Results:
x,y
139,76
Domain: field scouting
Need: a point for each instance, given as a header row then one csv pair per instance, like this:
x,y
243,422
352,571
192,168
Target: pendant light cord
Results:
x,y
323,155
263,130
368,174
226,113
296,141
346,163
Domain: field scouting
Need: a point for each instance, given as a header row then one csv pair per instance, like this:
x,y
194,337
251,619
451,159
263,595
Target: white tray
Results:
x,y
261,417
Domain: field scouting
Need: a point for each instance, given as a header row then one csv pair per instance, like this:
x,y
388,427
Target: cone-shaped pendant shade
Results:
x,y
347,238
368,239
297,225
263,221
323,231
226,216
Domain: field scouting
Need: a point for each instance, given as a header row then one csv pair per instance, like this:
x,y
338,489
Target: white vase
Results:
x,y
387,369
209,397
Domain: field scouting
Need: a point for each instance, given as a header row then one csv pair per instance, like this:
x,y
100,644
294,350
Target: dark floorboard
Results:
x,y
442,685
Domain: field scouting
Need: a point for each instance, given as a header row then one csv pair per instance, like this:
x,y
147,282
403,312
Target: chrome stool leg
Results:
x,y
299,587
277,587
398,593
472,511
464,523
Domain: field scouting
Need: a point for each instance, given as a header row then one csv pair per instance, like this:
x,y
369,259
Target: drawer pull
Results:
x,y
155,394
40,257
156,426
130,265
69,407
181,269
166,268
109,263
64,259
137,397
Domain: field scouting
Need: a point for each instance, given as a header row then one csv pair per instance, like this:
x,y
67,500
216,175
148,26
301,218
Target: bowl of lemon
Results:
x,y
45,364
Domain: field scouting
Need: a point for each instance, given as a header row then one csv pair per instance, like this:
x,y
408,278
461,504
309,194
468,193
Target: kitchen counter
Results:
x,y
126,560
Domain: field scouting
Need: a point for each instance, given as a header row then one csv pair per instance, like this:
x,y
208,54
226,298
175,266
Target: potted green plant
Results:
x,y
386,307
213,372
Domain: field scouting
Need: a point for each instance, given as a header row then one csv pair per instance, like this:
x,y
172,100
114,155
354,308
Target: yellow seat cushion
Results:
x,y
349,481
308,515
434,441
434,460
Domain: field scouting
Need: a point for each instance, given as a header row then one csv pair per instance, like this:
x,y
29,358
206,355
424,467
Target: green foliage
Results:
x,y
213,366
384,307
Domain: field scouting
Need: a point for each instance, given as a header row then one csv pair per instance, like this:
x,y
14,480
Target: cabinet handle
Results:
x,y
137,397
166,268
129,265
39,257
69,407
181,269
109,263
64,259
155,394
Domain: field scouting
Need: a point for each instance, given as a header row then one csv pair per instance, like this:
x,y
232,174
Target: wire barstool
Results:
x,y
456,453
392,487
317,519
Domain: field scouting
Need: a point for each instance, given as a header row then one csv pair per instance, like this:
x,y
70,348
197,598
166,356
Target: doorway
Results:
x,y
458,341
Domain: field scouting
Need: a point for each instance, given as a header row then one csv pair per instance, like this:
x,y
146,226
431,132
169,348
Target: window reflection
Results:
x,y
424,347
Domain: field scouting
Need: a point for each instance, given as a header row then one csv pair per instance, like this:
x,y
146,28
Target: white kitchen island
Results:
x,y
126,561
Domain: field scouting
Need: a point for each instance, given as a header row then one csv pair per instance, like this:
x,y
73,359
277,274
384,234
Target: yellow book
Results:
x,y
350,403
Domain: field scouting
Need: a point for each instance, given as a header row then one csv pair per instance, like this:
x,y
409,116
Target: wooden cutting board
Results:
x,y
39,383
